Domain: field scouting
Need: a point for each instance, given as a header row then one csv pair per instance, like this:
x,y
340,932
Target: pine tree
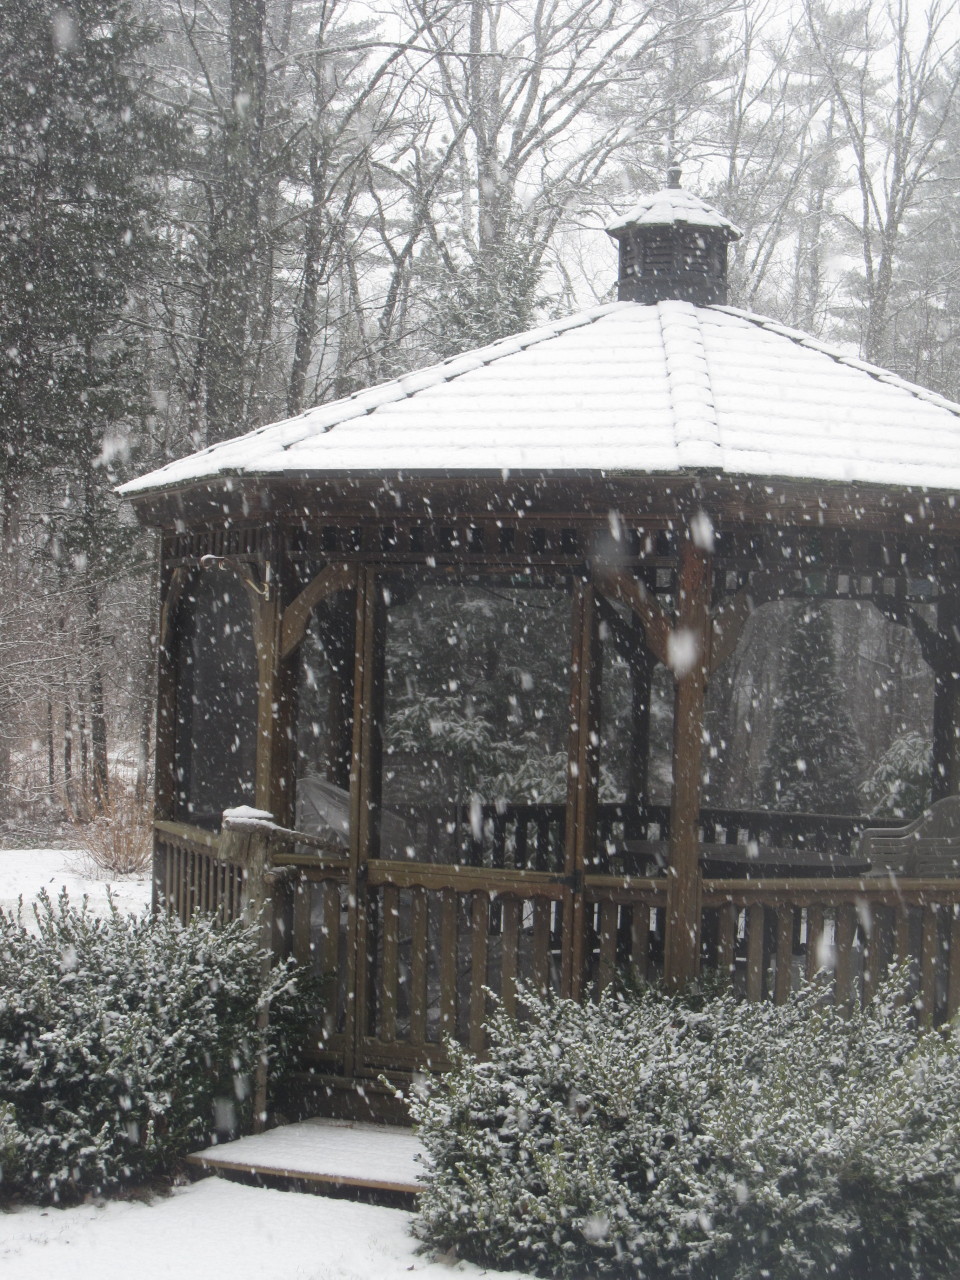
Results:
x,y
81,144
813,763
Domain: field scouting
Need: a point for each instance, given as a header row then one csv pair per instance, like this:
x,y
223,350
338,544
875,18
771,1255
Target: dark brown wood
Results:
x,y
165,730
640,940
873,955
755,927
364,794
418,966
814,941
540,955
607,959
846,932
510,941
953,964
390,970
448,962
480,923
728,919
783,980
946,704
296,617
929,946
625,588
682,943
573,953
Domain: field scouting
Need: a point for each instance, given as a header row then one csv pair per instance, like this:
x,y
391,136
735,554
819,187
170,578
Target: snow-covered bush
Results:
x,y
654,1137
126,1041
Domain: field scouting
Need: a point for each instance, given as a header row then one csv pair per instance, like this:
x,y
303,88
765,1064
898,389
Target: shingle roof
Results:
x,y
619,388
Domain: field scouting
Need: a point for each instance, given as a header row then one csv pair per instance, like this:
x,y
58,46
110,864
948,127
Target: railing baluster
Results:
x,y
784,978
873,956
480,923
390,971
448,962
540,960
510,944
928,963
640,939
607,966
814,940
755,926
728,918
301,921
953,964
845,934
418,965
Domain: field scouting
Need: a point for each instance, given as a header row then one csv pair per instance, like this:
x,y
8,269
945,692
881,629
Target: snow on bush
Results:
x,y
125,1042
654,1137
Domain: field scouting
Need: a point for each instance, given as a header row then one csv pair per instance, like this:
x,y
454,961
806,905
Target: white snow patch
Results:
x,y
216,1229
24,872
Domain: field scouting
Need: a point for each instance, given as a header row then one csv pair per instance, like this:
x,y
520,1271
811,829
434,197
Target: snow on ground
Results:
x,y
211,1230
216,1229
24,872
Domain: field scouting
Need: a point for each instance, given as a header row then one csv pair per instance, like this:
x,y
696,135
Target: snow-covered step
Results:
x,y
333,1152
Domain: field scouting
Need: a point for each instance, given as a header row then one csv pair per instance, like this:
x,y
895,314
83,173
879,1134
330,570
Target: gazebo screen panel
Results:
x,y
324,720
216,705
475,724
635,739
816,699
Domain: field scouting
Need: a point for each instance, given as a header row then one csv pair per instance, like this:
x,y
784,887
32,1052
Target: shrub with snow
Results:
x,y
654,1137
126,1041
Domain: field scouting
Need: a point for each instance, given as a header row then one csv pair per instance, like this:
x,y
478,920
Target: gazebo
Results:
x,y
442,651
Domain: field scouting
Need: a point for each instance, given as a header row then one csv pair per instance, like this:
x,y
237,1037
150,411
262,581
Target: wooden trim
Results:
x,y
622,586
361,795
582,780
435,875
682,943
813,891
183,833
296,617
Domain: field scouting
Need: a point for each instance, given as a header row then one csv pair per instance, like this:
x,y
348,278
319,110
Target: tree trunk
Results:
x,y
237,233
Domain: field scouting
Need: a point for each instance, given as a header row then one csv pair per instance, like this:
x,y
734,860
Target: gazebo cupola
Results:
x,y
673,246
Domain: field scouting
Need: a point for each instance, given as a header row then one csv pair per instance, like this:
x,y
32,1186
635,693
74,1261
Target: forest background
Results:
x,y
216,213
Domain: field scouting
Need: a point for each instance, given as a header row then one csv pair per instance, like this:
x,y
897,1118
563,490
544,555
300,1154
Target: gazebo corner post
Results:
x,y
689,653
945,779
245,843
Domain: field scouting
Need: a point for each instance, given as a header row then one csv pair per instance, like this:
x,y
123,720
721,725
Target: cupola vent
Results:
x,y
673,245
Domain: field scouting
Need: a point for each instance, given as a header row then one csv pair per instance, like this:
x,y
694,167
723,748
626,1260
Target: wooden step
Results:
x,y
325,1154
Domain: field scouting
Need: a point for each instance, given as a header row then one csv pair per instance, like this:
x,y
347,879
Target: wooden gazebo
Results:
x,y
417,633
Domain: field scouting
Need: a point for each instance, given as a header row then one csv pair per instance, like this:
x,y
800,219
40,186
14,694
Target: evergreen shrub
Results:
x,y
648,1136
127,1041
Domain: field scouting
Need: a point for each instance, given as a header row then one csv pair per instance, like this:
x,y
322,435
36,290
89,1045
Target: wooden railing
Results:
x,y
189,874
520,836
622,822
408,953
769,934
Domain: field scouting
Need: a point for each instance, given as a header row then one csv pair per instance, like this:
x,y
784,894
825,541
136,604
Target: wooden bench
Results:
x,y
928,846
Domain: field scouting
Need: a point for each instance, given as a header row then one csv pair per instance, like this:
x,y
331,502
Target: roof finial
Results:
x,y
673,177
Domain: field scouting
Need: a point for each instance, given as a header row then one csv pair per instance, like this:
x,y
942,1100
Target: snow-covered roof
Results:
x,y
673,206
618,388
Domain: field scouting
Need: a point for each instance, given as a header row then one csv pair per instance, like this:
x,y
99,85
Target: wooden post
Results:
x,y
245,842
582,784
946,702
689,654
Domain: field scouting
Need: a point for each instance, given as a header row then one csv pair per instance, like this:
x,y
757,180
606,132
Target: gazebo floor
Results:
x,y
324,1156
